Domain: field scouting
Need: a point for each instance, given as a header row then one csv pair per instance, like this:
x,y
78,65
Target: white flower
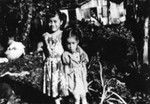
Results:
x,y
15,50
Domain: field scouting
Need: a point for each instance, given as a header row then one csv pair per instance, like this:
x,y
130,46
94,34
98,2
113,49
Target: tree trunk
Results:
x,y
146,39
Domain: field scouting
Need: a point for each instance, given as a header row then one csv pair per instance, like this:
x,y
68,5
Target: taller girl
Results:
x,y
52,48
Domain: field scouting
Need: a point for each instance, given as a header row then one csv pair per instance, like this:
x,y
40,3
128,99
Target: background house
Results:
x,y
107,12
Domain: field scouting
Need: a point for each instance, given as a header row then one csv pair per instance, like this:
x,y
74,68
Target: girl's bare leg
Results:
x,y
57,101
77,99
83,99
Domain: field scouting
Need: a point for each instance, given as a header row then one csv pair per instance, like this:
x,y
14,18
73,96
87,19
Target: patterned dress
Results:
x,y
52,64
75,72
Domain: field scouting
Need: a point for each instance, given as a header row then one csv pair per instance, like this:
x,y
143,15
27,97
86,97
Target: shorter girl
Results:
x,y
74,60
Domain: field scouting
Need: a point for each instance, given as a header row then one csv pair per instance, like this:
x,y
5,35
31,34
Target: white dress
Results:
x,y
53,65
75,72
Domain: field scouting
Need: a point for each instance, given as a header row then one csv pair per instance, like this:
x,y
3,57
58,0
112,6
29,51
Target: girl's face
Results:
x,y
72,44
55,23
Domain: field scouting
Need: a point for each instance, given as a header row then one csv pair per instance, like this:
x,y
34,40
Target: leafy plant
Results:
x,y
108,89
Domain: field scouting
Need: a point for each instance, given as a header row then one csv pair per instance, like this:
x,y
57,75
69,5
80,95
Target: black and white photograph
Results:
x,y
74,52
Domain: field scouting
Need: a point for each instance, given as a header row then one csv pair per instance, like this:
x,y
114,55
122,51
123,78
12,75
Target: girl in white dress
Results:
x,y
52,48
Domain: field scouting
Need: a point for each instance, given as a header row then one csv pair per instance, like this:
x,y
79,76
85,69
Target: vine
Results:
x,y
25,38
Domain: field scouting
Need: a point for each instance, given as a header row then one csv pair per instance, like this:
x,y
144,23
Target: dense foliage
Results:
x,y
115,75
114,78
30,63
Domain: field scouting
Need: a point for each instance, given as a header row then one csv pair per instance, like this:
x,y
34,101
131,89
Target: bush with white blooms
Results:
x,y
15,50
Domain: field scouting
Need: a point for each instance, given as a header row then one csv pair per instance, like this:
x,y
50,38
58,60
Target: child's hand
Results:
x,y
65,58
39,47
46,39
46,36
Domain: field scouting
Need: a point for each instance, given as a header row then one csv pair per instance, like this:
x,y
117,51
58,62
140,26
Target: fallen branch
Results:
x,y
23,73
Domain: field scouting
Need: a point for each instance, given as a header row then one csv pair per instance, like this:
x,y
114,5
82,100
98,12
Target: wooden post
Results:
x,y
108,14
146,39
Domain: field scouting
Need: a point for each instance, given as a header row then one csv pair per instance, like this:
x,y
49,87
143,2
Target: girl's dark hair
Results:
x,y
71,32
50,13
64,19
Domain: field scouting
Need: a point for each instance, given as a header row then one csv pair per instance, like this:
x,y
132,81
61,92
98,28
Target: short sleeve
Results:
x,y
83,55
